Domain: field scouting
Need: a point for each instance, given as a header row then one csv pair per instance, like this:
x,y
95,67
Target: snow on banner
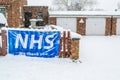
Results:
x,y
34,43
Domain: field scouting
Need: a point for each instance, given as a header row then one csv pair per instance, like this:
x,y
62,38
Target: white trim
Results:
x,y
83,13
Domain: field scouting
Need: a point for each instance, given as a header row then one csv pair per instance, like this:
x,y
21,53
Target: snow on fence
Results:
x,y
65,50
65,45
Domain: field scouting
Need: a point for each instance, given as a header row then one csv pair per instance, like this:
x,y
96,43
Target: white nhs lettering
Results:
x,y
25,43
36,41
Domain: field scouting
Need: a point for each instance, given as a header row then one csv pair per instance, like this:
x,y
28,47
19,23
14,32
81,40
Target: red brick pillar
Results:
x,y
114,21
108,26
81,25
75,48
52,20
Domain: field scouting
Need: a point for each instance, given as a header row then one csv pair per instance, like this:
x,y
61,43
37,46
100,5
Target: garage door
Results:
x,y
67,23
118,26
95,26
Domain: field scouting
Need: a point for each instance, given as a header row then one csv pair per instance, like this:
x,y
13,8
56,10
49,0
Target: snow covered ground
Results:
x,y
100,56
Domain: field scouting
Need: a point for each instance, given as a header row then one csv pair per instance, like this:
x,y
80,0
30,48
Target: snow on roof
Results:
x,y
83,13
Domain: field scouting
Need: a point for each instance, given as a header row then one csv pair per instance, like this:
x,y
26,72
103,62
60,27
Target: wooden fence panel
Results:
x,y
65,45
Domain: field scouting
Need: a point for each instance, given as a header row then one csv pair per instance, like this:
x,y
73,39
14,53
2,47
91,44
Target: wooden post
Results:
x,y
75,48
4,43
68,44
61,45
64,44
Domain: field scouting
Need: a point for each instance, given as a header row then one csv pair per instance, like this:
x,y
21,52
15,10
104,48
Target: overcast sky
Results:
x,y
102,4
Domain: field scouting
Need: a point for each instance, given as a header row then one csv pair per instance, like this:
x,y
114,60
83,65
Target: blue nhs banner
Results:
x,y
34,43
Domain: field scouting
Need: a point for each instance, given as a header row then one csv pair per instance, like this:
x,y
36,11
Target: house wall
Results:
x,y
81,25
35,9
91,25
14,9
52,20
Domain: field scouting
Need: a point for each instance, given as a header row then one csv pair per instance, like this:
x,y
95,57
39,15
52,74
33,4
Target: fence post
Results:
x,y
68,44
61,45
4,43
64,44
75,48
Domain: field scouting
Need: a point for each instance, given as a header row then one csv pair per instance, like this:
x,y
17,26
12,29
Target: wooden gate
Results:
x,y
65,45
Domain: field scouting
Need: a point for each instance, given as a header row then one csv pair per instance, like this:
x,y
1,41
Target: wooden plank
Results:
x,y
64,44
60,51
4,43
69,44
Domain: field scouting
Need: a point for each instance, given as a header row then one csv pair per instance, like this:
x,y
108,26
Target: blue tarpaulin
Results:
x,y
34,43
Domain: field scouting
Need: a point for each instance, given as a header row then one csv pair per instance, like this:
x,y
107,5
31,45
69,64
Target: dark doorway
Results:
x,y
27,16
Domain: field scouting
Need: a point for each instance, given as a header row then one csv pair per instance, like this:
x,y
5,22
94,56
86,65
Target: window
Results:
x,y
40,15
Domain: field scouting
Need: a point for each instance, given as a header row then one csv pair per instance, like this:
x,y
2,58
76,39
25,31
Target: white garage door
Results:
x,y
67,23
95,26
118,26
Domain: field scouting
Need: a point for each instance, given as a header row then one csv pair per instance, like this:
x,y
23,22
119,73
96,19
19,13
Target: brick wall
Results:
x,y
75,48
108,26
114,22
81,25
14,11
4,2
52,20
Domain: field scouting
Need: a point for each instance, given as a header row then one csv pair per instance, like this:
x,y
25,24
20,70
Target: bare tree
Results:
x,y
75,5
